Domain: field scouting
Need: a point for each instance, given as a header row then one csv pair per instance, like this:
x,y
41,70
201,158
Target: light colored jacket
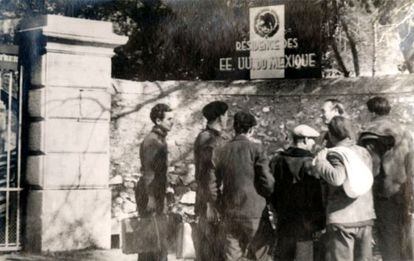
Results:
x,y
341,209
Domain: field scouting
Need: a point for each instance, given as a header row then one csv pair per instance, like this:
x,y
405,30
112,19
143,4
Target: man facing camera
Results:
x,y
243,172
297,197
209,243
330,109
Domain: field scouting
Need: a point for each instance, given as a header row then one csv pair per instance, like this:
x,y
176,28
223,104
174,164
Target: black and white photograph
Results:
x,y
207,130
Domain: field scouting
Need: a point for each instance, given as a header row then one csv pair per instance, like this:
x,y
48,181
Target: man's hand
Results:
x,y
211,213
317,161
151,204
320,157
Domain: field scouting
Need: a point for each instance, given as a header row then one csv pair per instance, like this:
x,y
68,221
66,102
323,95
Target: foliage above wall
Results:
x,y
184,39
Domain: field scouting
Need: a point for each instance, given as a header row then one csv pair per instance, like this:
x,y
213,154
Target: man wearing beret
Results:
x,y
243,172
209,245
297,197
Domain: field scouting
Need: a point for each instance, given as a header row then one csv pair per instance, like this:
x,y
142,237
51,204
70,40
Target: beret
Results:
x,y
214,109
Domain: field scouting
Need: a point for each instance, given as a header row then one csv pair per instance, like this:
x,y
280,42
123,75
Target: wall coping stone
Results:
x,y
74,30
390,84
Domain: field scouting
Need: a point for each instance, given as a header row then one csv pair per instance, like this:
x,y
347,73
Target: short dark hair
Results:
x,y
379,105
340,128
158,112
214,109
336,104
243,121
297,139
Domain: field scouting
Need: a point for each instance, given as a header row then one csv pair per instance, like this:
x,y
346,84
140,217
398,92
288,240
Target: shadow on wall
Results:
x,y
74,226
278,106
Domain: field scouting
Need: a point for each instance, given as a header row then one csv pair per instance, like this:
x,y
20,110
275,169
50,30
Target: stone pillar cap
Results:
x,y
78,30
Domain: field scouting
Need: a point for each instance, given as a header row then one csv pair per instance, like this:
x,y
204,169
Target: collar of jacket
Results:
x,y
385,126
240,137
296,152
159,131
214,131
347,142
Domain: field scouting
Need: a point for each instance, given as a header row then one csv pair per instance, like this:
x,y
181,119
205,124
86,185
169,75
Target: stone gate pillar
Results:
x,y
68,70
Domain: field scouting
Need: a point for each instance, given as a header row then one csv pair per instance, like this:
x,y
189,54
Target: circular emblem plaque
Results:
x,y
266,23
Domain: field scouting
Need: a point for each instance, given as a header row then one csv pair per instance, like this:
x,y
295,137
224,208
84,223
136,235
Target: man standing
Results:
x,y
297,197
330,109
243,172
209,243
151,188
349,217
392,149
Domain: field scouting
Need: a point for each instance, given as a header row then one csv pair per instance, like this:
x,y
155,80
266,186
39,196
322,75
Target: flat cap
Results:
x,y
305,131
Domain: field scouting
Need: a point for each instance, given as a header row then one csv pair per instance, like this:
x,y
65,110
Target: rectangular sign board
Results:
x,y
267,35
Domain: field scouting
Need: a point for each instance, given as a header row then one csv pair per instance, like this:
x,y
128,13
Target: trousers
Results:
x,y
209,241
239,237
394,229
349,243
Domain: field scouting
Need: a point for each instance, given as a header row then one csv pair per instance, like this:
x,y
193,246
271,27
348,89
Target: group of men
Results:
x,y
301,204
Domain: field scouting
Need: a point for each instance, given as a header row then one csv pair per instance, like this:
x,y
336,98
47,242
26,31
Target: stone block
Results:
x,y
37,103
36,136
62,220
38,72
79,103
77,70
66,135
95,104
68,170
71,70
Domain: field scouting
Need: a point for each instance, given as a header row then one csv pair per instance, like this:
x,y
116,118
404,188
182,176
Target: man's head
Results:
x,y
216,111
162,116
244,123
304,137
379,106
330,109
339,129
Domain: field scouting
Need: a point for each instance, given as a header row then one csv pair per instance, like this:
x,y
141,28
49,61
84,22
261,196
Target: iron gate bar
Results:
x,y
11,189
9,115
19,136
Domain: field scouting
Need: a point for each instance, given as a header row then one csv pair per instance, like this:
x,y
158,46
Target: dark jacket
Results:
x,y
243,171
154,164
342,209
394,147
298,196
205,157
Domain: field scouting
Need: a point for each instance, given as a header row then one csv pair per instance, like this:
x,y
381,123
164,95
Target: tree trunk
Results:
x,y
410,64
339,57
353,47
331,17
374,48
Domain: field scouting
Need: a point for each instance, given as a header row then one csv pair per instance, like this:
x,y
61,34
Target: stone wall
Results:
x,y
278,105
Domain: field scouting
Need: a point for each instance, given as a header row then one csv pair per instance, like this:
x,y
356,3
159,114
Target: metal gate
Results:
x,y
10,149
